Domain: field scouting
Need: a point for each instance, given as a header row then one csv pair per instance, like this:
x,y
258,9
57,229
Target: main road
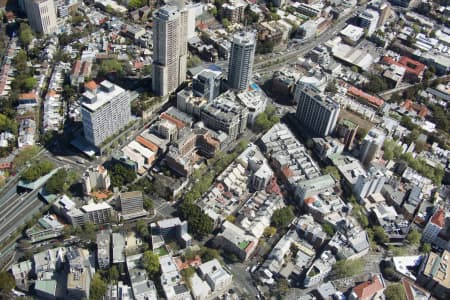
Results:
x,y
272,61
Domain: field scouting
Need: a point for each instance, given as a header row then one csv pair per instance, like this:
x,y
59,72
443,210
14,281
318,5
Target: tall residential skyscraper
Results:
x,y
169,48
315,111
105,110
41,15
241,60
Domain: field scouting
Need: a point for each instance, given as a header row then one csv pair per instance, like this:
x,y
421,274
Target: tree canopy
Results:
x,y
111,66
121,175
282,217
37,170
98,288
349,267
150,262
7,282
199,223
395,292
7,124
137,3
333,171
392,150
413,237
25,34
265,120
61,181
380,235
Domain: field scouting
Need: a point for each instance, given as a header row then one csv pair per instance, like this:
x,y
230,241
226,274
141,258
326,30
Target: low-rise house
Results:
x,y
235,240
217,276
371,289
319,269
171,280
47,227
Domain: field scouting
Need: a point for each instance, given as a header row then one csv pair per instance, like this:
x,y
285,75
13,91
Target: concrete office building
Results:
x,y
105,110
41,15
207,84
371,145
315,111
225,114
132,205
369,19
241,60
169,48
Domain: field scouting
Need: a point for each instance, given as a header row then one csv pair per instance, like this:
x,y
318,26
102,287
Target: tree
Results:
x,y
121,175
395,292
55,185
98,288
142,228
150,262
113,274
187,273
20,61
331,87
361,133
347,268
7,124
194,61
283,285
7,282
148,203
270,231
282,217
136,3
413,237
25,34
392,150
29,83
380,235
333,171
199,223
110,66
207,254
37,170
88,232
376,84
425,248
328,229
225,22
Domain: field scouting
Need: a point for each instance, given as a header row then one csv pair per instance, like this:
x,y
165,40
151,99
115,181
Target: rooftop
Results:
x,y
96,97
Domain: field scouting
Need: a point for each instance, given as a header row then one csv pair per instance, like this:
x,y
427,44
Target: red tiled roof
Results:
x,y
26,96
422,110
6,165
438,218
378,102
368,289
411,66
91,85
409,286
146,143
287,172
177,122
273,187
76,68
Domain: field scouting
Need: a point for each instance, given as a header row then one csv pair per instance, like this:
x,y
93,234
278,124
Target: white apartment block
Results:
x,y
96,178
41,15
105,110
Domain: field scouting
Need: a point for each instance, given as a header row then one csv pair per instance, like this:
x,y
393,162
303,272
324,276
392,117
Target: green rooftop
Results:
x,y
348,123
243,245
